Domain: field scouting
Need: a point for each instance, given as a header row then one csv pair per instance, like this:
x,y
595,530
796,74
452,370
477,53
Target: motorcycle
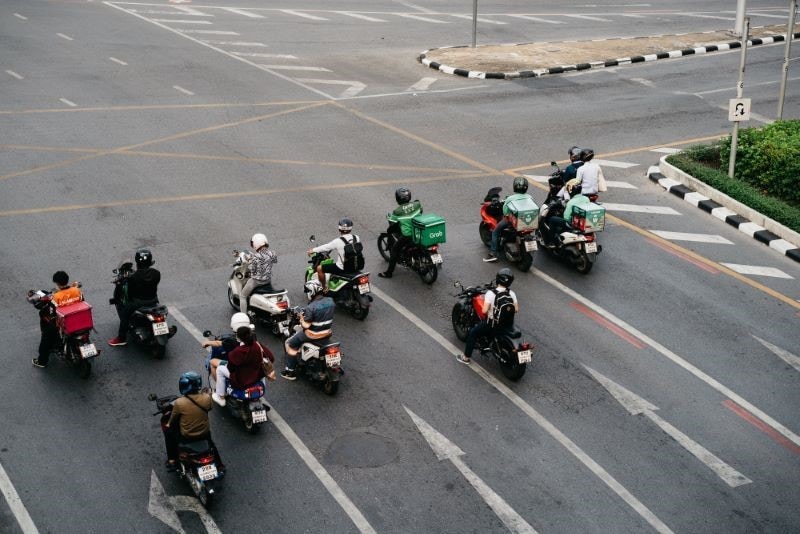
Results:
x,y
517,242
245,404
197,460
148,325
575,242
424,259
513,357
320,361
74,322
350,292
267,306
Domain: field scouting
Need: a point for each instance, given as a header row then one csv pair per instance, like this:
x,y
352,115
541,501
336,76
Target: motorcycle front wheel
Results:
x,y
231,300
385,242
460,321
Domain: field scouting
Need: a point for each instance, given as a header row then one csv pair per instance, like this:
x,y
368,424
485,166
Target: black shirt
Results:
x,y
143,284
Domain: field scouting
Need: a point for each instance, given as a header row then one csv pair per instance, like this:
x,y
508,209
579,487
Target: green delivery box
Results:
x,y
428,229
589,218
523,213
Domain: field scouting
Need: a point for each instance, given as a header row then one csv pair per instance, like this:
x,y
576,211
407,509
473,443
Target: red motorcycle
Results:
x,y
517,242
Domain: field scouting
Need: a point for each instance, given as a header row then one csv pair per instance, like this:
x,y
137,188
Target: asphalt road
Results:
x,y
123,127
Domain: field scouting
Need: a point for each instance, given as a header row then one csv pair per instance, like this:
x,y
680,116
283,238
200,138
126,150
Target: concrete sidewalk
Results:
x,y
510,61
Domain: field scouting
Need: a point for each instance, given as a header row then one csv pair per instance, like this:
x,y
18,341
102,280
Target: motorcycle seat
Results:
x,y
253,391
265,290
197,446
157,309
513,332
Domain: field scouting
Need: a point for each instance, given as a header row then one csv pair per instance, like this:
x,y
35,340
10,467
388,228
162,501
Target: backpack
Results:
x,y
503,310
353,260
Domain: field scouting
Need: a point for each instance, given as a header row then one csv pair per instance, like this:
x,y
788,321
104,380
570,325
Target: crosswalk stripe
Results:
x,y
758,270
295,67
359,16
353,89
666,150
588,17
537,19
422,85
235,43
697,238
423,19
244,13
537,178
209,32
698,15
301,14
179,21
479,19
192,11
259,54
620,185
632,15
615,164
636,208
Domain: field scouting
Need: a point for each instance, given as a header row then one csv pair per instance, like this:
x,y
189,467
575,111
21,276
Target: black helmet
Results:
x,y
143,258
402,195
60,278
504,277
574,153
189,382
520,184
345,225
587,154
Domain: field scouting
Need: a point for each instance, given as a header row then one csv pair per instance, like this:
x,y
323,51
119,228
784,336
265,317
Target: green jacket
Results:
x,y
403,214
515,196
578,200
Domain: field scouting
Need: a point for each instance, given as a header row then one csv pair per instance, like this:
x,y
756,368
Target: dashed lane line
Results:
x,y
244,12
119,61
637,208
182,21
15,75
537,19
236,43
70,103
193,32
303,15
21,514
588,17
696,238
20,17
359,16
420,17
783,354
295,67
182,90
479,19
192,11
66,37
264,55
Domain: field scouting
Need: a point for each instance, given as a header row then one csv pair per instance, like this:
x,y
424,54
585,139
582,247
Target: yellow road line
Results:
x,y
146,107
38,148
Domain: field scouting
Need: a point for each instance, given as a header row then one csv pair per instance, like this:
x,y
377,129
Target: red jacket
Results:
x,y
244,364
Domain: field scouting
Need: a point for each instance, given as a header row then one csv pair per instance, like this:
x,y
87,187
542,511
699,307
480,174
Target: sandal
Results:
x,y
463,359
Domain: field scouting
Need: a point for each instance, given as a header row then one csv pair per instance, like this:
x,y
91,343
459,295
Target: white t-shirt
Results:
x,y
589,174
490,295
336,248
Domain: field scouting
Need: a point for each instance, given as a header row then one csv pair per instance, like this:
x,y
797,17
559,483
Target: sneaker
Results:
x,y
219,400
289,374
490,257
463,359
386,274
37,363
117,342
171,466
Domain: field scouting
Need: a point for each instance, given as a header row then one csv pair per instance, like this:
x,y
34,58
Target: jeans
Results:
x,y
50,337
248,289
402,242
481,329
502,225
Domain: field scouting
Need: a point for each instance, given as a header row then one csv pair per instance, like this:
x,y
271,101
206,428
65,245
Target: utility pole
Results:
x,y
735,103
739,24
789,34
474,21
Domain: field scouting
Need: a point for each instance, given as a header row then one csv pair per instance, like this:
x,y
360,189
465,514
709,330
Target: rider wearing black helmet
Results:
x,y
400,225
337,253
590,173
142,291
499,306
520,186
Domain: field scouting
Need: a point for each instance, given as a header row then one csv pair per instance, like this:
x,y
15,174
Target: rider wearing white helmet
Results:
x,y
260,263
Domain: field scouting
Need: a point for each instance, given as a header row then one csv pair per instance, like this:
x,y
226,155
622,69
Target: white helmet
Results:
x,y
258,241
312,288
238,320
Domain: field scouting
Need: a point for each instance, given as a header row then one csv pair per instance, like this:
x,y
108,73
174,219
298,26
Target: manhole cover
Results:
x,y
361,449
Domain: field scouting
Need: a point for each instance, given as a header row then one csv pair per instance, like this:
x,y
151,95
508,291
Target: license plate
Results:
x,y
363,288
88,350
530,246
590,247
332,360
160,329
524,356
436,258
259,416
207,472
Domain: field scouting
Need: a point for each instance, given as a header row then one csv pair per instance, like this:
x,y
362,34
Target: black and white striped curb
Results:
x,y
759,233
535,73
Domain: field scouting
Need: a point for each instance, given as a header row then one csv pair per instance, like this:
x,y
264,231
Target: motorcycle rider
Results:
x,y
317,324
142,291
400,226
560,224
65,294
590,173
571,170
499,304
520,192
260,263
337,249
189,418
243,364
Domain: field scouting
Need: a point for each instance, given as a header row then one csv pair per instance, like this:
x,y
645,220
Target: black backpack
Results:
x,y
503,310
353,260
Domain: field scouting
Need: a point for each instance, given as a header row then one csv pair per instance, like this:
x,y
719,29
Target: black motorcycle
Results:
x,y
148,325
320,361
424,261
513,357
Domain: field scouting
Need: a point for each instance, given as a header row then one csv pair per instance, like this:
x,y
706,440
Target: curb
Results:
x,y
717,210
537,73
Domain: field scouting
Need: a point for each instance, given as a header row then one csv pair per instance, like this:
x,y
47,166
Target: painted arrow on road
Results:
x,y
783,354
637,405
352,90
165,508
447,450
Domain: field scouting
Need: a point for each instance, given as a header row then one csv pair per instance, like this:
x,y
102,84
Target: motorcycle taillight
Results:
x,y
207,459
589,237
433,248
156,318
524,346
363,280
332,350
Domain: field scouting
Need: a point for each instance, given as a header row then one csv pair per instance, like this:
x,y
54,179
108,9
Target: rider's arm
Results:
x,y
327,247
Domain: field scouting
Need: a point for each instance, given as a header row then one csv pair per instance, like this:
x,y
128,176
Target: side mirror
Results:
x,y
554,164
312,239
206,333
115,271
151,397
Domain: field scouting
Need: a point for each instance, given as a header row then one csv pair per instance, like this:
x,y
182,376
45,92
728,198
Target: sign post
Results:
x,y
789,34
740,107
474,21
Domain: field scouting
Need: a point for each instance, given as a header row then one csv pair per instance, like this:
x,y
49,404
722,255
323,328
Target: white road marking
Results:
x,y
115,60
182,90
632,15
435,91
295,67
643,81
756,14
615,164
301,14
636,208
264,55
359,16
297,444
444,449
420,17
697,238
68,102
677,360
236,43
153,12
422,85
698,15
183,21
666,150
732,90
415,6
620,185
192,11
159,505
21,17
15,504
479,19
538,178
539,419
244,12
784,355
757,270
636,405
15,75
67,37
588,17
537,19
204,32
353,90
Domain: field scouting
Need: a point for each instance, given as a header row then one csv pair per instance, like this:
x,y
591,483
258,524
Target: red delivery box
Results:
x,y
74,317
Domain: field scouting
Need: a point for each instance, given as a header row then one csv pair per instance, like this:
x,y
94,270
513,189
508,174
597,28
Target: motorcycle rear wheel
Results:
x,y
460,326
85,369
330,387
427,269
359,312
582,264
250,426
199,489
159,351
525,262
385,242
509,364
